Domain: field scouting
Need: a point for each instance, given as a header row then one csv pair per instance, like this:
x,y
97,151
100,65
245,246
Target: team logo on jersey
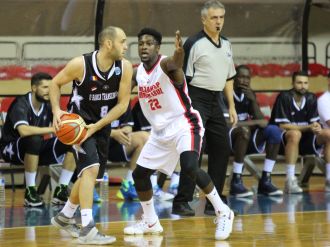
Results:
x,y
117,71
292,113
93,88
105,87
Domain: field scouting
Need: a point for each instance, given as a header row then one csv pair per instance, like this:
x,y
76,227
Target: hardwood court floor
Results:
x,y
296,220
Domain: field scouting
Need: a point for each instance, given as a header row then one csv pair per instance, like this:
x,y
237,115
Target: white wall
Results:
x,y
27,53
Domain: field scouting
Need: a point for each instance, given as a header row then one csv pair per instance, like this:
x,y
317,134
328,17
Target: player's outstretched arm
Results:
x,y
175,62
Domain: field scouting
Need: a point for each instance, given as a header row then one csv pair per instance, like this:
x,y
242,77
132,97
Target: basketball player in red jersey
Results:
x,y
176,133
100,95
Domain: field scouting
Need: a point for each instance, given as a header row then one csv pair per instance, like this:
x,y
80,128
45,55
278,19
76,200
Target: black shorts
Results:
x,y
94,151
253,147
52,151
117,152
307,144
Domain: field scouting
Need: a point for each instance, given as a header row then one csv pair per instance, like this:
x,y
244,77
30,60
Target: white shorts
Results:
x,y
163,148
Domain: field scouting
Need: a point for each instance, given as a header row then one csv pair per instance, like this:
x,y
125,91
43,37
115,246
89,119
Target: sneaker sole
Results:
x,y
57,225
183,214
246,194
57,201
31,204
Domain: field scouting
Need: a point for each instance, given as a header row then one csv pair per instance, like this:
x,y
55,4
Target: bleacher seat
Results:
x,y
289,68
270,70
316,69
15,72
254,68
49,69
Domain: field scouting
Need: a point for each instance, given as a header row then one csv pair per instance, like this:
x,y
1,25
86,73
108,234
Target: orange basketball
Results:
x,y
72,130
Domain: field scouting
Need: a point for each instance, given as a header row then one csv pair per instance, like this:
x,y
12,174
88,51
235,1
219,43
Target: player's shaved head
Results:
x,y
109,32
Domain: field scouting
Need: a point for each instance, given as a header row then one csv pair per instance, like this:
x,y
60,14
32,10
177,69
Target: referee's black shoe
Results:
x,y
182,209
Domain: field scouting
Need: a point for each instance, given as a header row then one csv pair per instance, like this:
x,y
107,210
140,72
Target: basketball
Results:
x,y
72,130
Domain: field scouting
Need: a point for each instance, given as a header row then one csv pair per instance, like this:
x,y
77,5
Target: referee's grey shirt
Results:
x,y
206,64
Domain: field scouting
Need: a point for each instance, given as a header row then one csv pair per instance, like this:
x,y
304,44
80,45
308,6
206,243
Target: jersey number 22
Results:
x,y
154,104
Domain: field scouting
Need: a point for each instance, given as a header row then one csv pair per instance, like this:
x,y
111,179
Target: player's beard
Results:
x,y
41,99
300,92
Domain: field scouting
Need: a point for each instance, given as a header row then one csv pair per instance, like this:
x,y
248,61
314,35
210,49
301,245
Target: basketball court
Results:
x,y
291,220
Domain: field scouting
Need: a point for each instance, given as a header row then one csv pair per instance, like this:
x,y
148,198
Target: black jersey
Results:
x,y
97,93
125,120
21,112
140,121
286,110
243,106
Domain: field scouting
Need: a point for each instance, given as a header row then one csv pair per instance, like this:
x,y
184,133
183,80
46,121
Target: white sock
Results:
x,y
237,167
153,179
30,178
149,211
65,177
269,165
129,176
86,216
217,203
290,171
175,179
69,209
327,167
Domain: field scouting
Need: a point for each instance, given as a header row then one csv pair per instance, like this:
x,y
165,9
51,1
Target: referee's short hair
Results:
x,y
211,4
153,32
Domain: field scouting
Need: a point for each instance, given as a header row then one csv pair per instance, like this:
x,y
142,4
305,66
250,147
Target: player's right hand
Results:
x,y
57,123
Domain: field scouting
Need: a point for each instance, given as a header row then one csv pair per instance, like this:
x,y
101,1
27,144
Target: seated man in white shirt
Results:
x,y
323,104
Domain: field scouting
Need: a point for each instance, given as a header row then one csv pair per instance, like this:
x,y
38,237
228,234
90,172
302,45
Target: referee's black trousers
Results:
x,y
217,139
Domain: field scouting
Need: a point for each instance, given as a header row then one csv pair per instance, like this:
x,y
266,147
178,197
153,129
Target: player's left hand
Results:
x,y
91,129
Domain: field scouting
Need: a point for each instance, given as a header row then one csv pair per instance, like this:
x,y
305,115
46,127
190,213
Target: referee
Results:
x,y
209,69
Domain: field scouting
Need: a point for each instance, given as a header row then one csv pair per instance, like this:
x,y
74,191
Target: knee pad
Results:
x,y
33,144
202,178
141,176
189,163
273,134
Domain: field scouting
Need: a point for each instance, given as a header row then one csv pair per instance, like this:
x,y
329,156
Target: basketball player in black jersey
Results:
x,y
295,111
22,141
100,95
252,135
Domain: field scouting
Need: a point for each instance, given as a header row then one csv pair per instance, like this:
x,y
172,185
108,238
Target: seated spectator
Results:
x,y
251,135
295,111
125,145
323,104
22,141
